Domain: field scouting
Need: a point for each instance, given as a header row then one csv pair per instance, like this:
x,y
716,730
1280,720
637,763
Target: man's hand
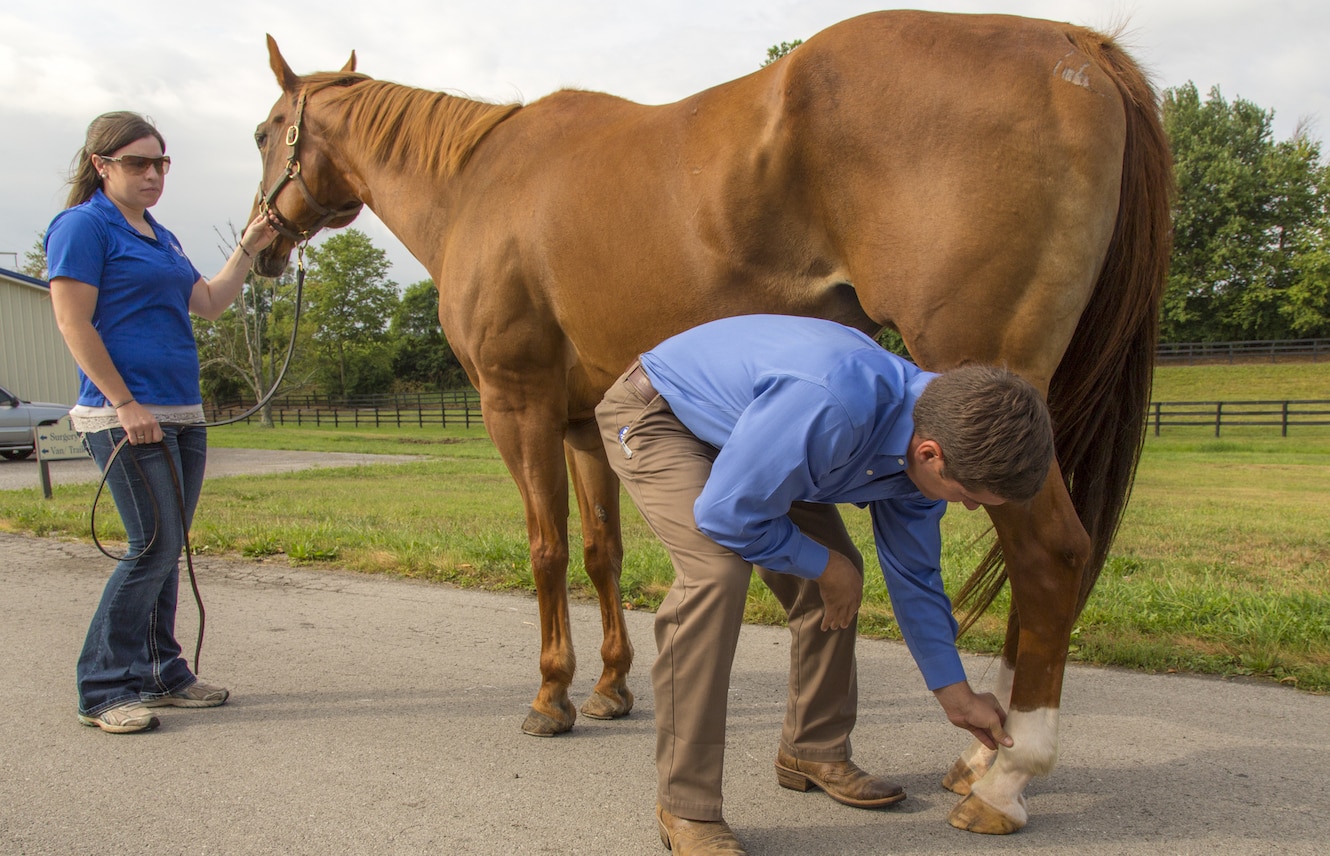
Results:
x,y
842,589
979,714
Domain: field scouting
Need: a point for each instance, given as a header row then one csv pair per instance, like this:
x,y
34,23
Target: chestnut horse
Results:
x,y
994,188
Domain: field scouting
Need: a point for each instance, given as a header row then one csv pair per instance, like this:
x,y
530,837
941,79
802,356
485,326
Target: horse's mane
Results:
x,y
432,132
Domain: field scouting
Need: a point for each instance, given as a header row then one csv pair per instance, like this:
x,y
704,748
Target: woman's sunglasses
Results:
x,y
138,164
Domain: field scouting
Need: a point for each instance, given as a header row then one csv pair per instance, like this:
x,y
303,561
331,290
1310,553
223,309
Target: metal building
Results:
x,y
34,363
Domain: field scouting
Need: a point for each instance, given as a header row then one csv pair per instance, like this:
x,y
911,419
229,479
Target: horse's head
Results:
x,y
303,190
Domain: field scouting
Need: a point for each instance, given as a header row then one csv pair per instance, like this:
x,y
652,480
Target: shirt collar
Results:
x,y
103,203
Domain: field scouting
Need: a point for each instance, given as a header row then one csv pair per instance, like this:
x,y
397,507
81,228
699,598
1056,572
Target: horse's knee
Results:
x,y
603,559
549,560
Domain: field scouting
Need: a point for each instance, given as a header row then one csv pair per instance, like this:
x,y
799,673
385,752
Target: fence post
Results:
x,y
1285,419
1159,406
1219,416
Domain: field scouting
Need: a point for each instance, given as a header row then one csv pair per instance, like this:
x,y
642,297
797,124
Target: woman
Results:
x,y
122,290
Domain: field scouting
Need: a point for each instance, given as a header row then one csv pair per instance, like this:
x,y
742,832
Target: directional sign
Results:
x,y
58,442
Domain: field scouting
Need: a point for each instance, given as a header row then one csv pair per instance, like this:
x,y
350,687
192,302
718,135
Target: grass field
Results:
x,y
1222,565
1243,382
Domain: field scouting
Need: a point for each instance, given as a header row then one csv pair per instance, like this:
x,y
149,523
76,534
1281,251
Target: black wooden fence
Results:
x,y
1314,350
1231,414
462,408
455,407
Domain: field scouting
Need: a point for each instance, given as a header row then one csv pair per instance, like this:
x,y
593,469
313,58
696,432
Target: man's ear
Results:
x,y
925,451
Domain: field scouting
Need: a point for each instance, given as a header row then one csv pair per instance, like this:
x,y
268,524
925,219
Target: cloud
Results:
x,y
202,71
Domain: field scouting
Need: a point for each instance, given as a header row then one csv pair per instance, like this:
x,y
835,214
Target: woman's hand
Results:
x,y
211,297
257,235
140,426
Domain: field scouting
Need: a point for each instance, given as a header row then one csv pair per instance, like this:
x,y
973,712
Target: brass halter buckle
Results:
x,y
268,201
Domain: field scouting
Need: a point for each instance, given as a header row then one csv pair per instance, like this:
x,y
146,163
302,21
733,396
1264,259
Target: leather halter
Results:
x,y
285,227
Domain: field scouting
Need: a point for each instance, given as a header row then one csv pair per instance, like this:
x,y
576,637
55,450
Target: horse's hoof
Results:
x,y
538,724
974,815
600,706
960,777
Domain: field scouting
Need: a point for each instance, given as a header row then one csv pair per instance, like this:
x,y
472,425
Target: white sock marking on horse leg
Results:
x,y
977,756
1006,676
1035,733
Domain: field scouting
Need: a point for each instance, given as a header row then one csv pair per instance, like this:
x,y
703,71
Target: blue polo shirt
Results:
x,y
143,289
803,409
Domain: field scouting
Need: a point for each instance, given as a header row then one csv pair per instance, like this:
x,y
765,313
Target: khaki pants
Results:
x,y
697,626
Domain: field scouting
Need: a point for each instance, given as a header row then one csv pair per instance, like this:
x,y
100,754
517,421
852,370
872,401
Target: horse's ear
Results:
x,y
350,63
286,78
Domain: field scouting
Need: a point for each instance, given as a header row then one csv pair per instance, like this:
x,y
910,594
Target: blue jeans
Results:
x,y
131,652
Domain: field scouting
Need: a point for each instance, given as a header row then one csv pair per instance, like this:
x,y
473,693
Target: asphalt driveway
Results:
x,y
373,715
15,475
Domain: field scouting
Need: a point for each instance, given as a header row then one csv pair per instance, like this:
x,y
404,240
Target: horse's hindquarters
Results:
x,y
969,181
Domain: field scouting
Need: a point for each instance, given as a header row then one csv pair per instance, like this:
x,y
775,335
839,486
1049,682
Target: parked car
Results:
x,y
18,418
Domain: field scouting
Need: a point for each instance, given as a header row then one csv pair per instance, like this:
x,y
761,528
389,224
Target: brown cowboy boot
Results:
x,y
843,781
697,837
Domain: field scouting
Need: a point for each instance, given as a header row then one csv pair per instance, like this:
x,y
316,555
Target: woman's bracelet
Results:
x,y
247,253
123,403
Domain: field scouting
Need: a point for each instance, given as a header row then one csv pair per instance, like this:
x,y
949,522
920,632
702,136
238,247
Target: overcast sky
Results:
x,y
201,71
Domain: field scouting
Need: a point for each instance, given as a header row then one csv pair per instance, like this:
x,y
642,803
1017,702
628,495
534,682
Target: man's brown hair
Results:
x,y
993,427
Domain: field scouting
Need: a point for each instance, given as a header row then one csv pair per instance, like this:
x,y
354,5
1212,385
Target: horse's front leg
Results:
x,y
597,490
526,425
1046,549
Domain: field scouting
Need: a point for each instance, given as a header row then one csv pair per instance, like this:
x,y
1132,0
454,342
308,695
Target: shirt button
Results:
x,y
870,472
900,461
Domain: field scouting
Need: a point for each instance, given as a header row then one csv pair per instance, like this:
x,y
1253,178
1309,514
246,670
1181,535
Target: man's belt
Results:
x,y
638,380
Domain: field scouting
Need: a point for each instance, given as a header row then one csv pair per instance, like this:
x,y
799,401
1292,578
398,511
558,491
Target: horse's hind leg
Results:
x,y
597,490
526,425
1045,548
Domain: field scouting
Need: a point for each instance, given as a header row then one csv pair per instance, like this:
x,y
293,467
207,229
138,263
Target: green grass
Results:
x,y
1243,382
1222,565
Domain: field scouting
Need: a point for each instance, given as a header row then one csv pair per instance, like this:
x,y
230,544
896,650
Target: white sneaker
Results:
x,y
125,719
197,694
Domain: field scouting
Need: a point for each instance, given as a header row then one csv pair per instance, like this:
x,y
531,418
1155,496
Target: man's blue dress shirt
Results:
x,y
803,409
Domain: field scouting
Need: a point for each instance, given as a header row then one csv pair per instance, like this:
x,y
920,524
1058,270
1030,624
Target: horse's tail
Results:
x,y
1100,392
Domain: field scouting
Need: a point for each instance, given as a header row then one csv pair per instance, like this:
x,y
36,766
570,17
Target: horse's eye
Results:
x,y
260,138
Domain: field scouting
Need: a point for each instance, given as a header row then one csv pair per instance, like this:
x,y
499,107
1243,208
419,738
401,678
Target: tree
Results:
x,y
775,52
1306,305
34,260
350,303
422,358
1247,208
241,352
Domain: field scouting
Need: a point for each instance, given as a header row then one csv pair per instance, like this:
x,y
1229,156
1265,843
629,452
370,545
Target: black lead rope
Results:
x,y
175,475
157,517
